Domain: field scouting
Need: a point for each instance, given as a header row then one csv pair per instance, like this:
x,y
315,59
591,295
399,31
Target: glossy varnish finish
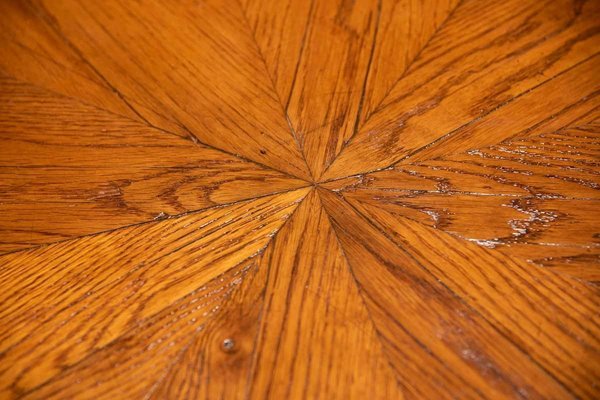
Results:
x,y
378,199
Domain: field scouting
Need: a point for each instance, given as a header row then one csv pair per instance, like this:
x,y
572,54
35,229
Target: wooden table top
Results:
x,y
300,199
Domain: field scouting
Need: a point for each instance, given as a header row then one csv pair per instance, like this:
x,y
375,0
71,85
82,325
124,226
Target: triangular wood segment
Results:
x,y
300,199
313,306
73,298
452,86
182,90
320,82
68,170
413,308
545,314
32,49
534,195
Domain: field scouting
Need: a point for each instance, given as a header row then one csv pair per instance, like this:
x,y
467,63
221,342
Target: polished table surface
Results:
x,y
299,199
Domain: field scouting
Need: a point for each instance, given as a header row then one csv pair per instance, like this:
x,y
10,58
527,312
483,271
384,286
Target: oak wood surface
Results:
x,y
386,199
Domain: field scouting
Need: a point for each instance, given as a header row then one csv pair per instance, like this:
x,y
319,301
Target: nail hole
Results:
x,y
228,345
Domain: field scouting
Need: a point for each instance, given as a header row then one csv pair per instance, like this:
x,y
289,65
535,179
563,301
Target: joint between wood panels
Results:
x,y
414,59
52,22
462,301
362,298
284,108
141,223
364,86
469,123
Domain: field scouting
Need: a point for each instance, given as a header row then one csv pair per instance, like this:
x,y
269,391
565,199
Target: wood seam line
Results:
x,y
452,132
415,59
274,88
364,85
357,124
254,356
362,296
459,298
192,139
256,254
176,216
53,23
300,53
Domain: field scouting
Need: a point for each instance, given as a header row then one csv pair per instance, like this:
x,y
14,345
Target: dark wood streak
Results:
x,y
442,268
71,288
425,112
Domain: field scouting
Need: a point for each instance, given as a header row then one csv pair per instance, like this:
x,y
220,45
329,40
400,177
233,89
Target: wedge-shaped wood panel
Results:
x,y
505,61
68,170
206,81
552,319
313,306
73,298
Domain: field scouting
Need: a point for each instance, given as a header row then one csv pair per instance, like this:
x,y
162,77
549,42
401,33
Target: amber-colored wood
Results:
x,y
542,50
60,179
534,195
95,289
370,199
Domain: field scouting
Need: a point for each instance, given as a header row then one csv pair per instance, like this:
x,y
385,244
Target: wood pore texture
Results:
x,y
300,199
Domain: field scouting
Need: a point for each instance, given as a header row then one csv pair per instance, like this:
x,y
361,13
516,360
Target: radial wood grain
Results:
x,y
67,169
254,199
400,295
460,79
556,335
535,195
313,306
209,81
81,295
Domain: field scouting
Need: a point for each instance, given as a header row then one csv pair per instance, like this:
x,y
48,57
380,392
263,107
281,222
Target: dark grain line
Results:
x,y
459,298
364,85
175,216
274,88
414,59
